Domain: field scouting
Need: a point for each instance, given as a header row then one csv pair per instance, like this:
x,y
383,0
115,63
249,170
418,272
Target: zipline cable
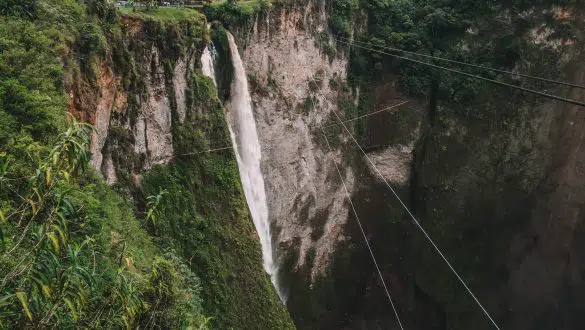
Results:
x,y
363,232
524,89
373,113
347,121
477,66
416,222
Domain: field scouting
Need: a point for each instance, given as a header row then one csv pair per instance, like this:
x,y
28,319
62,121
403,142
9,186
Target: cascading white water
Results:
x,y
207,62
242,127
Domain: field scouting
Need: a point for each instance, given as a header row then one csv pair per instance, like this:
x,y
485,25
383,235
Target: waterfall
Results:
x,y
207,62
242,127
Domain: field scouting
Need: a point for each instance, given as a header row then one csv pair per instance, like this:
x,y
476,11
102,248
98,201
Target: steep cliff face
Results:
x,y
156,116
487,182
293,99
545,259
135,95
298,79
494,181
488,189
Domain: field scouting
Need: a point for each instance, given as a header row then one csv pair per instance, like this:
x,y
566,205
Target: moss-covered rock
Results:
x,y
206,218
203,216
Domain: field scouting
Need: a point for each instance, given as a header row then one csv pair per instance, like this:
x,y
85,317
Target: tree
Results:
x,y
25,8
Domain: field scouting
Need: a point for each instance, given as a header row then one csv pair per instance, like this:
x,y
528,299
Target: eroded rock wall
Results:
x,y
499,193
134,106
496,184
296,86
283,60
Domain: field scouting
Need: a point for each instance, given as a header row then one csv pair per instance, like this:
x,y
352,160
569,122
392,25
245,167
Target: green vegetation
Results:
x,y
74,253
172,15
222,246
457,30
180,251
307,105
174,31
442,28
236,13
341,16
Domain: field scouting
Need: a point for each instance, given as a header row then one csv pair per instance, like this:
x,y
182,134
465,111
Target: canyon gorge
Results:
x,y
218,141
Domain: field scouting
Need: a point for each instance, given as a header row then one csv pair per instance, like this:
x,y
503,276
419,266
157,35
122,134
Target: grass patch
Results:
x,y
164,14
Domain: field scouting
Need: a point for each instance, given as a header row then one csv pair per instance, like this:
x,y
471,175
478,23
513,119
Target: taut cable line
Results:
x,y
524,89
372,113
363,233
477,66
416,222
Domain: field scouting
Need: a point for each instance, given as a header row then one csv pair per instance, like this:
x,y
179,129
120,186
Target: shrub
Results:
x,y
91,39
23,8
232,13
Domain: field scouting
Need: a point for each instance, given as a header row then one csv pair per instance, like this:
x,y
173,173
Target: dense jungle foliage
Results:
x,y
177,252
458,30
73,252
236,13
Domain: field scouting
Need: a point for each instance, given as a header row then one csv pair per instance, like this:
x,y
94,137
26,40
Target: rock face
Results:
x,y
547,272
151,104
141,110
152,131
307,211
296,86
502,196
